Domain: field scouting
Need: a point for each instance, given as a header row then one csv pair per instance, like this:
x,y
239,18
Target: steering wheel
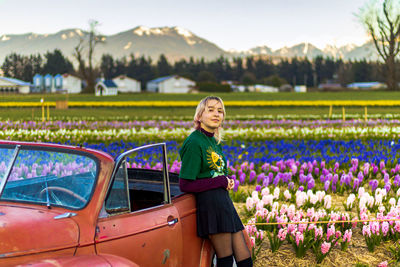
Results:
x,y
64,190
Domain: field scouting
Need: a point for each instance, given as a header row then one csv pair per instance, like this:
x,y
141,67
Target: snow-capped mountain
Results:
x,y
174,42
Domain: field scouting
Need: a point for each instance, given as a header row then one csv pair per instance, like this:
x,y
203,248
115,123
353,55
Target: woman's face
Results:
x,y
212,116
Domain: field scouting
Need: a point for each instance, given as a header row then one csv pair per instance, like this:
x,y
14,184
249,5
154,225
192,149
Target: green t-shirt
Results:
x,y
201,157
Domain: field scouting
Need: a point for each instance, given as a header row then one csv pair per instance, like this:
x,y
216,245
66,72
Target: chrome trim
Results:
x,y
172,222
65,215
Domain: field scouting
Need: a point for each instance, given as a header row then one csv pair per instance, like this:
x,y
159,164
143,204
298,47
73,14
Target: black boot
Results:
x,y
225,261
245,263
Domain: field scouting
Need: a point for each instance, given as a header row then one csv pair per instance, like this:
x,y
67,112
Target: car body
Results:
x,y
71,206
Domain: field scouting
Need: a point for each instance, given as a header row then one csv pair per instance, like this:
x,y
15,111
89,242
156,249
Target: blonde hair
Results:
x,y
199,112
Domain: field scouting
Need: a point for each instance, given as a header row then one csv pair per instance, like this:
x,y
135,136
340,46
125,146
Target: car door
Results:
x,y
138,220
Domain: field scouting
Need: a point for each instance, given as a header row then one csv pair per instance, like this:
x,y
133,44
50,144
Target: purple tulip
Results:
x,y
374,184
252,175
251,167
323,164
242,178
326,186
366,169
316,171
311,184
265,167
354,162
302,178
301,188
270,176
336,166
382,165
360,176
397,168
387,187
375,169
276,180
291,186
356,184
335,179
343,179
235,188
396,181
266,182
274,169
334,187
258,188
386,178
260,177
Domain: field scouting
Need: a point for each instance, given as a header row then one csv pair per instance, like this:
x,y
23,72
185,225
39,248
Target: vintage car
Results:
x,y
70,206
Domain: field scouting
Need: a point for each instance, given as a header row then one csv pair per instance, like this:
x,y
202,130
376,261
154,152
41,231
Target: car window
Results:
x,y
139,181
6,155
56,178
118,200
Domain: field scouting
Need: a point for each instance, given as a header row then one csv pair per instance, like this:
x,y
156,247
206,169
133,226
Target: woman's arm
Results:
x,y
200,185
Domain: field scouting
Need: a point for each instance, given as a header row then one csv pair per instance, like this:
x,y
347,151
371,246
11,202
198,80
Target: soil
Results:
x,y
356,254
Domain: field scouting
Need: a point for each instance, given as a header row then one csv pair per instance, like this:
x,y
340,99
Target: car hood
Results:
x,y
27,230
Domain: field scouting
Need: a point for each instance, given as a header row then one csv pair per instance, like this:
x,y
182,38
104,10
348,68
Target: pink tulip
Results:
x,y
347,235
325,246
282,233
299,237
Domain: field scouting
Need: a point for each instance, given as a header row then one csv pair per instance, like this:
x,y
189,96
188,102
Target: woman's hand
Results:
x,y
231,183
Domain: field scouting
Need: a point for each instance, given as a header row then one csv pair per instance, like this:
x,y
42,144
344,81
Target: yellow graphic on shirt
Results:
x,y
214,160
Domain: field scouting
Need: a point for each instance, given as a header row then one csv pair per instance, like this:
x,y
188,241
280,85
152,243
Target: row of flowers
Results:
x,y
278,117
55,125
254,103
320,227
179,134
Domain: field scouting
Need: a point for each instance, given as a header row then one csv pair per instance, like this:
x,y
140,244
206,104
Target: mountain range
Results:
x,y
174,42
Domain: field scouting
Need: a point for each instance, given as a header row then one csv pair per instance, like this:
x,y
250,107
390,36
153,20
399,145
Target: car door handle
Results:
x,y
173,221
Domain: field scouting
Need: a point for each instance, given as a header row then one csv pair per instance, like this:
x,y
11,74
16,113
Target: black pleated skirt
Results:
x,y
216,213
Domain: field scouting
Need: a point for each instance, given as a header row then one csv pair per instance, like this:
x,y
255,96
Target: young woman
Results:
x,y
204,172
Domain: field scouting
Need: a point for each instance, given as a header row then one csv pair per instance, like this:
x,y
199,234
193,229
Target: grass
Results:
x,y
185,113
143,113
350,95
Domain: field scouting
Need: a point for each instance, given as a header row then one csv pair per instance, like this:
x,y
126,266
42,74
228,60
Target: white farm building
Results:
x,y
126,84
170,84
71,83
11,85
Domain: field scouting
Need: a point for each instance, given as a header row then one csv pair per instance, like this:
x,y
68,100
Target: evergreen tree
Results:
x,y
120,67
163,67
107,66
362,71
56,63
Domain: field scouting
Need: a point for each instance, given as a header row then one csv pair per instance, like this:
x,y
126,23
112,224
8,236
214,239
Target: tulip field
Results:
x,y
309,191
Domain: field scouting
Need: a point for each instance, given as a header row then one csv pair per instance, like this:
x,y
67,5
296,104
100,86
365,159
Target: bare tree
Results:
x,y
86,47
382,22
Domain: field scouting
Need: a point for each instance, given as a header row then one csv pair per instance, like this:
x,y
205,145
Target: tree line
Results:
x,y
250,70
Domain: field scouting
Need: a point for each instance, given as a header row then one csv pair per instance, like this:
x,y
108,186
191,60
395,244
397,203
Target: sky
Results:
x,y
230,24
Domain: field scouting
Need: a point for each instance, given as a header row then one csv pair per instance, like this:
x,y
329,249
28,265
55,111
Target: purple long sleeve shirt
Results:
x,y
200,185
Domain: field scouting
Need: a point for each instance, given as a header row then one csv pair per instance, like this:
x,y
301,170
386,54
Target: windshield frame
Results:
x,y
25,147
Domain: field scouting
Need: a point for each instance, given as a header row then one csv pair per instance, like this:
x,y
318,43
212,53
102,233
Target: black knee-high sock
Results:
x,y
225,261
245,263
